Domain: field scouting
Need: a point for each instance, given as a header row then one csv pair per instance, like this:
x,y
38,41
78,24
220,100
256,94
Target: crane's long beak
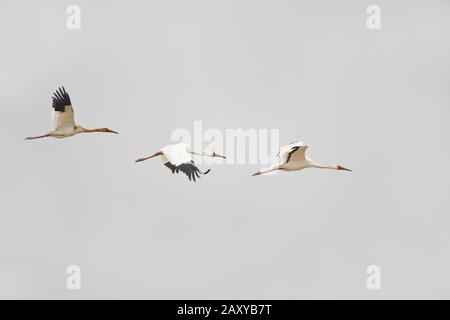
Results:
x,y
215,154
342,168
112,131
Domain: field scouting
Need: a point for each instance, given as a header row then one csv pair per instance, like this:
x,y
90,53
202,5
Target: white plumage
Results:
x,y
177,154
63,118
292,157
178,157
64,121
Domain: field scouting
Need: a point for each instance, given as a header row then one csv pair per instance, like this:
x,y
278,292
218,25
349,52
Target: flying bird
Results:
x,y
64,125
292,157
178,157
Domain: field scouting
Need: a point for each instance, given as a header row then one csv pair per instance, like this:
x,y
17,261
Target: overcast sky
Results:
x,y
376,101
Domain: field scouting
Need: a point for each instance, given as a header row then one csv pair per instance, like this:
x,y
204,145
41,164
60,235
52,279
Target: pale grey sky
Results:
x,y
375,101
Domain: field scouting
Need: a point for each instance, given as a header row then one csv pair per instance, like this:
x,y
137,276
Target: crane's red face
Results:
x,y
342,168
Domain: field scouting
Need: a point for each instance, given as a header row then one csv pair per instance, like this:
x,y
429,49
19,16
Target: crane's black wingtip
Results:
x,y
60,99
207,171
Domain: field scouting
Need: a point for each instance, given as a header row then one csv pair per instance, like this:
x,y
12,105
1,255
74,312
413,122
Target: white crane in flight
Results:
x,y
178,157
64,125
292,157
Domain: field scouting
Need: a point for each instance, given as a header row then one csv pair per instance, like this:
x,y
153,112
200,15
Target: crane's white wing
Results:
x,y
180,159
177,154
292,152
63,114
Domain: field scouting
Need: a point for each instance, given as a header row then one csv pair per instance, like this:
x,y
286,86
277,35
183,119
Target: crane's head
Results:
x,y
108,130
339,167
216,155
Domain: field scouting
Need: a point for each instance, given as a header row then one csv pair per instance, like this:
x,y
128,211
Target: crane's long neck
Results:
x,y
313,164
85,130
80,129
198,153
212,154
89,130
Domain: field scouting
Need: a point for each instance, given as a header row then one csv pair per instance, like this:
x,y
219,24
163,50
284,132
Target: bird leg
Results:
x,y
152,156
38,137
266,171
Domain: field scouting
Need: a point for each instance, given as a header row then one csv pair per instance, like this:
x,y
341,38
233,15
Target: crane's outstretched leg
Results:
x,y
266,171
38,137
146,158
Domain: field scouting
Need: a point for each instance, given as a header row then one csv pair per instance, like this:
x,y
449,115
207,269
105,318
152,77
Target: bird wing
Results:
x,y
177,154
188,169
63,114
292,152
179,159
